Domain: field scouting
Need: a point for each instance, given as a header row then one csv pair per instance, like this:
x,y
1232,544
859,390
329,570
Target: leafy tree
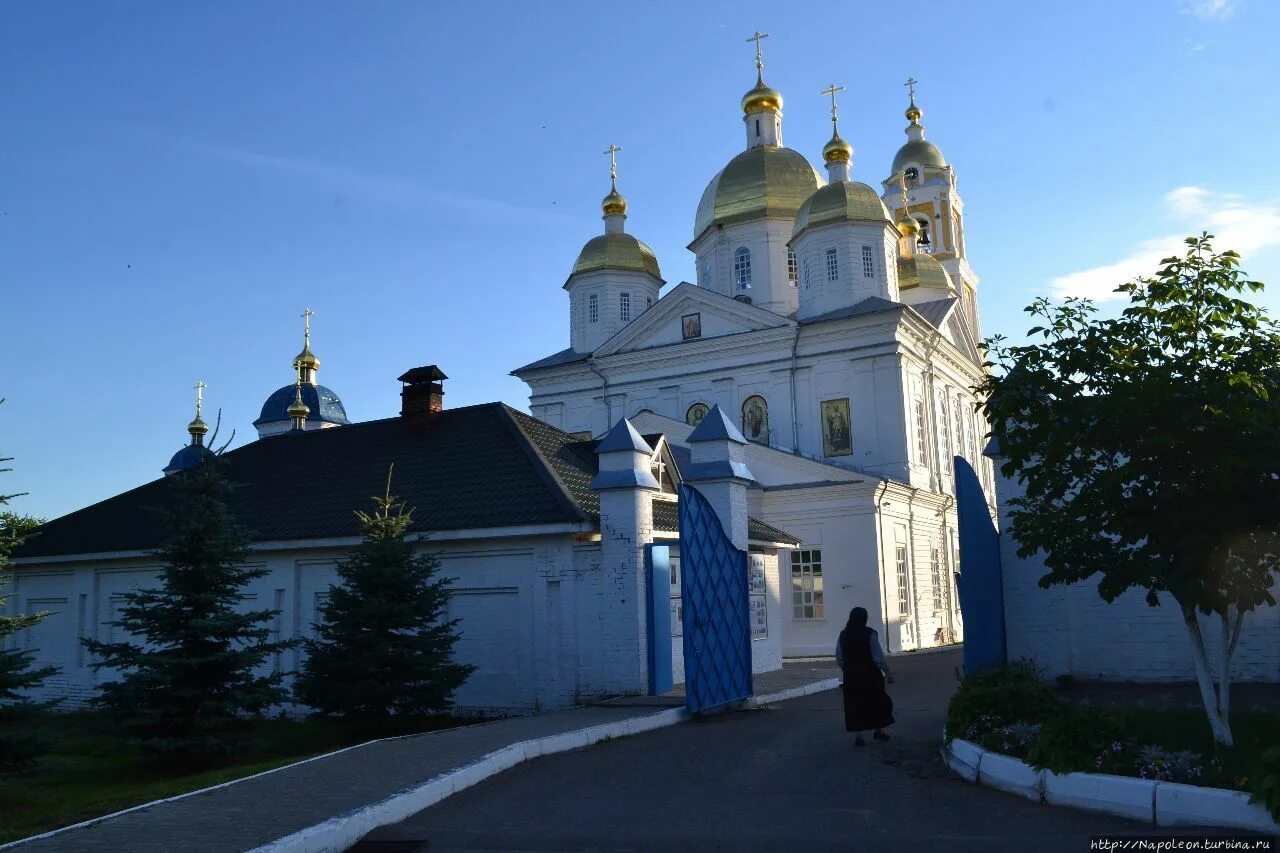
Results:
x,y
191,676
17,674
384,646
1149,447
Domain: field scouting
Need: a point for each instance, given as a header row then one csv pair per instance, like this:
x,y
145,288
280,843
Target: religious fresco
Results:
x,y
696,413
836,438
755,419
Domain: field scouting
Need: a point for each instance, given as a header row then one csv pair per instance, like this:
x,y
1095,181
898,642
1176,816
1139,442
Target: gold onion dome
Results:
x,y
913,112
298,409
762,97
922,270
198,427
908,225
837,151
614,204
307,359
618,251
759,182
841,201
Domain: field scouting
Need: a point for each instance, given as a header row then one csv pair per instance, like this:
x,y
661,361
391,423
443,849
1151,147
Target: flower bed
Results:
x,y
1012,712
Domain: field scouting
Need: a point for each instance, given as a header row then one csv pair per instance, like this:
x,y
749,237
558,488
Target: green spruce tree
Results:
x,y
191,673
19,744
384,648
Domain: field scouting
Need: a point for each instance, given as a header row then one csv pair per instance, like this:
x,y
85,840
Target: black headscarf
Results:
x,y
856,641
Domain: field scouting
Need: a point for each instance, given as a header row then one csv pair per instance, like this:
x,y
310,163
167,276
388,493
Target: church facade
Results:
x,y
838,323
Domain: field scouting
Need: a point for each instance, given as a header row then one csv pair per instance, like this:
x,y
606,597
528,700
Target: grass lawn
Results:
x,y
88,773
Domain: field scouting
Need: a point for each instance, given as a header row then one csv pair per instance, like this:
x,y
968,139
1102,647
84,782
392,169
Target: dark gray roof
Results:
x,y
870,305
936,312
485,466
324,405
565,356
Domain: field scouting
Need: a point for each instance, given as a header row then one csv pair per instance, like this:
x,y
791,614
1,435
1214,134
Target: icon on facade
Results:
x,y
755,419
836,439
696,413
691,324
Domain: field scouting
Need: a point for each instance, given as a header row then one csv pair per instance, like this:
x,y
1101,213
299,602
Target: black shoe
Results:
x,y
880,736
859,742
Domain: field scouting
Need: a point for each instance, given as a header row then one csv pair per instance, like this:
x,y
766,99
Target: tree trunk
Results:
x,y
1218,721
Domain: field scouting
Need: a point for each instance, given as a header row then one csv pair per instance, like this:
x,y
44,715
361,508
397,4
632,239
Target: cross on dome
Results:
x,y
200,386
831,90
614,204
757,38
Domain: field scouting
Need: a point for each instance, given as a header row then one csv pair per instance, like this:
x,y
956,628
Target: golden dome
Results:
x,y
614,204
913,112
842,201
837,151
298,409
908,225
616,252
197,426
922,270
920,152
306,359
765,181
761,97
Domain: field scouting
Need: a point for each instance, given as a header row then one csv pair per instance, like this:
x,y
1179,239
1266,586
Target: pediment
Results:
x,y
690,313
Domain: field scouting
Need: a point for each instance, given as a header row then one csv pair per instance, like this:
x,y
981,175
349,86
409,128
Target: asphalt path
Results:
x,y
785,777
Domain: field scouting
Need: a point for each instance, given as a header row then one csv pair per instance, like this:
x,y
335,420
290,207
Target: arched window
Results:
x,y
742,268
706,274
833,265
696,413
593,308
792,267
755,419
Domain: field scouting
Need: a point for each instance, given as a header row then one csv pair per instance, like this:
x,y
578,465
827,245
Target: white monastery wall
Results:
x,y
1071,630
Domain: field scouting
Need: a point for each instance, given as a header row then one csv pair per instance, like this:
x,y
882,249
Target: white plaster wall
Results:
x,y
1072,630
608,286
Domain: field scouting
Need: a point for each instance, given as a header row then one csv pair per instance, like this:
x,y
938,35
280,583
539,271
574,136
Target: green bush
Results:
x,y
1081,740
1265,784
998,699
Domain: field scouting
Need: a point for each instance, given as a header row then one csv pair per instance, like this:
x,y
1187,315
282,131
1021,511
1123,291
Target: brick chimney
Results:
x,y
422,395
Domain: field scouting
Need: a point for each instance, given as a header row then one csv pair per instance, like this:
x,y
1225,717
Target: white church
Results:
x,y
827,349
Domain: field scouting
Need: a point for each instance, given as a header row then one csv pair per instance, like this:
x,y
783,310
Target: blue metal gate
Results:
x,y
717,629
979,584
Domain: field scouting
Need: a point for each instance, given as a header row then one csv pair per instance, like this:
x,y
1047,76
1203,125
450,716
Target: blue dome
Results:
x,y
188,457
324,405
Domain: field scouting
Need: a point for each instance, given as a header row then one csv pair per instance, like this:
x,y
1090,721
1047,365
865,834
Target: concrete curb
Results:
x,y
340,832
1157,803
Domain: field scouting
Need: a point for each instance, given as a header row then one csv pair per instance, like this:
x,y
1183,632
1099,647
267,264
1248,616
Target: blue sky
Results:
x,y
181,180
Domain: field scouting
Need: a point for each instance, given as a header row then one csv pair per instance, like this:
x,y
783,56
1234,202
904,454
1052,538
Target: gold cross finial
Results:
x,y
200,386
306,316
757,38
911,87
612,151
831,90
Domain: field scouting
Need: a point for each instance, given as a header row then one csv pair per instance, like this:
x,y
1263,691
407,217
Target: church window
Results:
x,y
806,584
924,243
706,274
696,413
936,578
624,307
806,272
757,128
742,267
648,302
791,267
959,425
833,265
900,565
755,419
922,445
868,262
945,433
593,308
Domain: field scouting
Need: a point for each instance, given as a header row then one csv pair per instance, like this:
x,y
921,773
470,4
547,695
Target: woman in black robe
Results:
x,y
866,704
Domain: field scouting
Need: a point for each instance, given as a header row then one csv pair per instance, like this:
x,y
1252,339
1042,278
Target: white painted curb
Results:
x,y
339,833
1157,803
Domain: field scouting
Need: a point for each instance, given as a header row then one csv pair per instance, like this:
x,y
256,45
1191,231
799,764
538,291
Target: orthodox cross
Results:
x,y
911,87
831,90
200,386
612,151
757,38
306,316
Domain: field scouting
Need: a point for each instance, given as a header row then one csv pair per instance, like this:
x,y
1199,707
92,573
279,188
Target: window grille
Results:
x,y
624,307
922,443
833,265
742,268
806,583
868,262
900,564
936,577
791,268
593,308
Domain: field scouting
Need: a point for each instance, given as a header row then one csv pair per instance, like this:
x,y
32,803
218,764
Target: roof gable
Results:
x,y
716,316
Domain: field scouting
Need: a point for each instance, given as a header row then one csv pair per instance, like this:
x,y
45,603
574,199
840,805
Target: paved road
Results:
x,y
782,778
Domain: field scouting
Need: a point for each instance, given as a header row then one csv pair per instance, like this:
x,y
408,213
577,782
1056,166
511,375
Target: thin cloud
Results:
x,y
376,187
1212,10
1236,223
